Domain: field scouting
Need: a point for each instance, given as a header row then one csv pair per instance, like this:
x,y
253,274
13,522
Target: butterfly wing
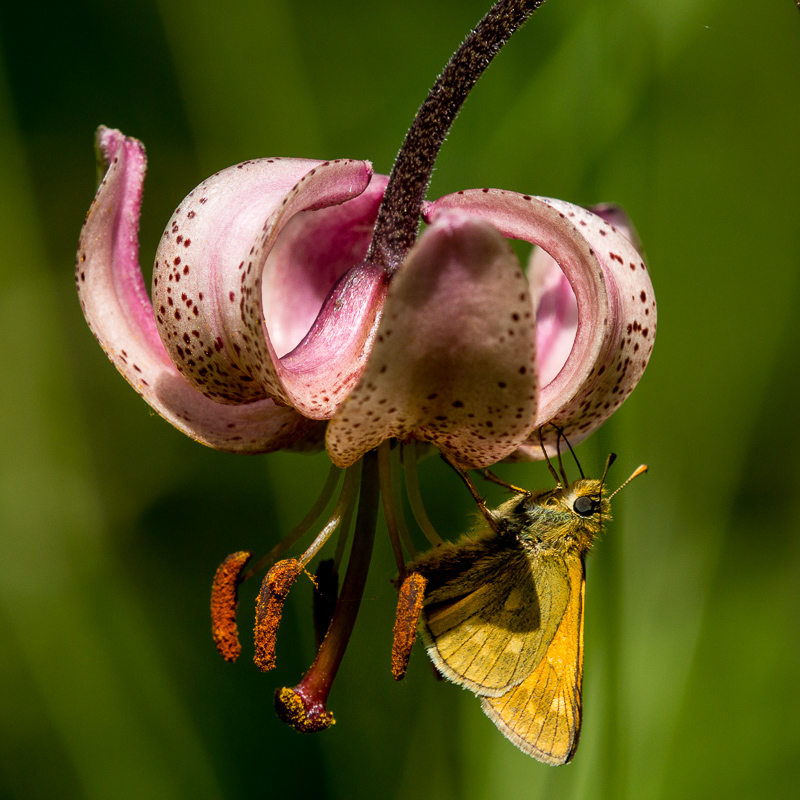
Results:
x,y
542,715
488,628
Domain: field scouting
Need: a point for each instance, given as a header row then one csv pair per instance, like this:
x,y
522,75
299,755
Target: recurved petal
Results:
x,y
556,314
118,310
272,237
616,216
454,358
613,299
555,302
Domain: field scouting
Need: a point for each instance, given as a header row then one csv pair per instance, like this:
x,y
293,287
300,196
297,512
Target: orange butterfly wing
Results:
x,y
542,715
492,637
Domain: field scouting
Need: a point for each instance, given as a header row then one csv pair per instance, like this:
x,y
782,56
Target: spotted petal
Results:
x,y
118,310
586,376
253,287
454,358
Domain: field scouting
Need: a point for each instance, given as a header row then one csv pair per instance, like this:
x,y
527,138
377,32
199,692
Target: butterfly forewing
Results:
x,y
542,715
491,637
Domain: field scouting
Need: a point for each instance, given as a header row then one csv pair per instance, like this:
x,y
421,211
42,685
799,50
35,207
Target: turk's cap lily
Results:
x,y
267,328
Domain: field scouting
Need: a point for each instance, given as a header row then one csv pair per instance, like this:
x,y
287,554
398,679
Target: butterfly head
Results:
x,y
559,519
587,502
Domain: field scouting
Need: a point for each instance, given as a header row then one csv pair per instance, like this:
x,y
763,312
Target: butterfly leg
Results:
x,y
490,517
490,476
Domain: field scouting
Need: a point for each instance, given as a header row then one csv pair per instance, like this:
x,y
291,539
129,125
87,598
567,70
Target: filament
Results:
x,y
344,502
414,496
313,515
387,500
397,499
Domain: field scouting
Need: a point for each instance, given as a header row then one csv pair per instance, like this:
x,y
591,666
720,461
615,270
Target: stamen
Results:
x,y
387,500
303,707
224,602
269,609
397,500
344,502
319,506
414,496
409,607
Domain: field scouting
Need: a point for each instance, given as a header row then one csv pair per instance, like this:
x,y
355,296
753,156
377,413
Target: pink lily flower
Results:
x,y
295,306
266,323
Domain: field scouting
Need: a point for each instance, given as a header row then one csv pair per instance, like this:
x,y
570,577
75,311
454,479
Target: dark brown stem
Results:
x,y
398,218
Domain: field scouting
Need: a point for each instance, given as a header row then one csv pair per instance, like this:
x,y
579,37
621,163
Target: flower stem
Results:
x,y
398,218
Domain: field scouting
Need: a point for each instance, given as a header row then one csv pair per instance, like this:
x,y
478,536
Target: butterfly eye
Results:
x,y
585,506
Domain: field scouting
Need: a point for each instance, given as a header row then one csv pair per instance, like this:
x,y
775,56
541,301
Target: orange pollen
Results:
x,y
409,607
269,608
224,602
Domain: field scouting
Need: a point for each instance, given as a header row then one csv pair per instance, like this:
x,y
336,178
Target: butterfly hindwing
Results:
x,y
542,715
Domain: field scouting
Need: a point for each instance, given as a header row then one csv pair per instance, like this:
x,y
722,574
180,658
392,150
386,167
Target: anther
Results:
x,y
409,607
224,602
269,608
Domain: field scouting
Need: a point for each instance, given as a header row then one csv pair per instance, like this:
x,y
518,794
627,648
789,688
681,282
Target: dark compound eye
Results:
x,y
585,506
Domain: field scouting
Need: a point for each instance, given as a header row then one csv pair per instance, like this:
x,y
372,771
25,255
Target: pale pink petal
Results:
x,y
272,237
614,296
454,359
554,300
313,251
556,314
116,306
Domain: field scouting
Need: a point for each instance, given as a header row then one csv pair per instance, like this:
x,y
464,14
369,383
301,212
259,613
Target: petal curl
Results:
x,y
556,314
454,358
614,296
116,306
272,237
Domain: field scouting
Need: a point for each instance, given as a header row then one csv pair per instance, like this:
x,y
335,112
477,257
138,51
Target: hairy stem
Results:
x,y
398,218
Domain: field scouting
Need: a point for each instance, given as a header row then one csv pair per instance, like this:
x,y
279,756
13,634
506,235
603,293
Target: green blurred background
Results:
x,y
112,523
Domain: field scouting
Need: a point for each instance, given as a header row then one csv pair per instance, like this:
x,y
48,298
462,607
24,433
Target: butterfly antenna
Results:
x,y
636,473
488,515
612,457
547,459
